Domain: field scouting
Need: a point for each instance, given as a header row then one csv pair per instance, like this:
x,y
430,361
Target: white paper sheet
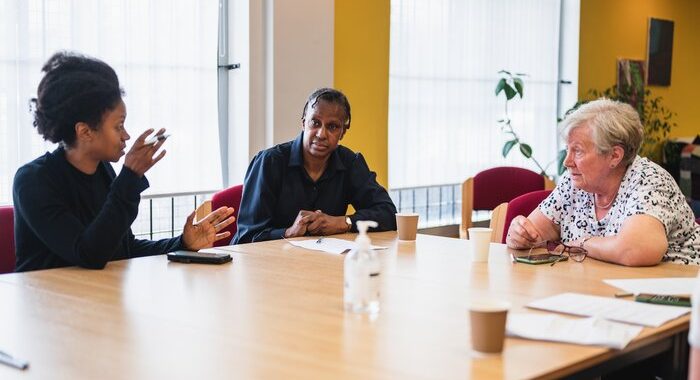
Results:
x,y
222,249
330,245
587,331
637,313
665,286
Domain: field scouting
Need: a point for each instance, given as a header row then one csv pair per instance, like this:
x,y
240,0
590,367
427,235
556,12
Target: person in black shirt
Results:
x,y
304,186
70,207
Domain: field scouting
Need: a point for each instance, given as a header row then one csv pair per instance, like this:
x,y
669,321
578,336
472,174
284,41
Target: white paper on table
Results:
x,y
330,245
590,331
222,249
637,313
665,286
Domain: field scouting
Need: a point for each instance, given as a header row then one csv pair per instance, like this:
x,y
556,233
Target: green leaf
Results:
x,y
510,92
526,150
560,161
518,86
501,84
507,147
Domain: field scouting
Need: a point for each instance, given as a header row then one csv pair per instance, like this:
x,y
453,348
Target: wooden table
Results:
x,y
277,312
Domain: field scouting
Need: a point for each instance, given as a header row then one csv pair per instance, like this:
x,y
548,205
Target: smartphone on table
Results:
x,y
540,258
199,257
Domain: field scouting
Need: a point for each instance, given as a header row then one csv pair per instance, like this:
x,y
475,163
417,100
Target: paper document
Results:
x,y
330,245
665,286
610,308
588,331
222,249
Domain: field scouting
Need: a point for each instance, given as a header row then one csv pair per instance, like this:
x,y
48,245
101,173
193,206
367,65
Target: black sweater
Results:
x,y
64,217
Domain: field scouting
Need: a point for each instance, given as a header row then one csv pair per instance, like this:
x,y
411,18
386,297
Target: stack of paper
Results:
x,y
674,286
610,308
589,331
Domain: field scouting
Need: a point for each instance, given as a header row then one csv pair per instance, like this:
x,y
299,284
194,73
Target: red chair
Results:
x,y
697,220
230,197
491,187
522,205
7,239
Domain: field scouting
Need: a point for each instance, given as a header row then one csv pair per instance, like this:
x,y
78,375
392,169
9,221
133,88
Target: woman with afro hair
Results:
x,y
71,208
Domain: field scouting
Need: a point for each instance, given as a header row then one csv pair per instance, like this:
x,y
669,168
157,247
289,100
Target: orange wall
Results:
x,y
361,71
612,29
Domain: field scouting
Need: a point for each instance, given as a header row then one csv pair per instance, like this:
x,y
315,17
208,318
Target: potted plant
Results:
x,y
512,85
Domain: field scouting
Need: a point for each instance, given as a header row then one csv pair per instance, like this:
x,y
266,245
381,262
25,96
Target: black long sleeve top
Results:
x,y
65,217
277,187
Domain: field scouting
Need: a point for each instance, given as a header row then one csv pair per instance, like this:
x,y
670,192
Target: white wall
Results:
x,y
285,48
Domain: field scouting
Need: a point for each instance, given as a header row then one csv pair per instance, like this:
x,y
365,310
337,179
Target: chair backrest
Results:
x,y
7,239
498,221
490,188
202,211
522,205
230,197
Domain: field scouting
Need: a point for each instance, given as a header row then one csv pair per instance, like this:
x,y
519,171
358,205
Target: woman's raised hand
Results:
x,y
141,155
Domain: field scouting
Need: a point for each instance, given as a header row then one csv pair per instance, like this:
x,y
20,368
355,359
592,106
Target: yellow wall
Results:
x,y
612,29
361,57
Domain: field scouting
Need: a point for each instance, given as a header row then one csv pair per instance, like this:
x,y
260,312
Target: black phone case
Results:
x,y
199,258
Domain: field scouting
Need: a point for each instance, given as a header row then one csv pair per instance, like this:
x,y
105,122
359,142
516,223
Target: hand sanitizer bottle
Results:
x,y
362,270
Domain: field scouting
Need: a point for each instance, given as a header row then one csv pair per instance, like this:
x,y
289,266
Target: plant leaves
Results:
x,y
518,83
501,84
510,92
507,147
526,150
561,156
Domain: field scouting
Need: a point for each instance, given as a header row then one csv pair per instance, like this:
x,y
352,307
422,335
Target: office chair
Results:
x,y
492,187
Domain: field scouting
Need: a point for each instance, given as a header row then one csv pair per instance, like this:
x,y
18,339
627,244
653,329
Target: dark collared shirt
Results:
x,y
277,187
65,217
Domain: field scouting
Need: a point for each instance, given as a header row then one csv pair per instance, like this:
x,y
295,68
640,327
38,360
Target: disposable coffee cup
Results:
x,y
480,242
407,224
488,325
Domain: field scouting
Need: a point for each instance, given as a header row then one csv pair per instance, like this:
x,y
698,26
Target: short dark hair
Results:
x,y
330,95
75,88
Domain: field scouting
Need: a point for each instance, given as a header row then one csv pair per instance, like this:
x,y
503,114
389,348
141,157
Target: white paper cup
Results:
x,y
480,241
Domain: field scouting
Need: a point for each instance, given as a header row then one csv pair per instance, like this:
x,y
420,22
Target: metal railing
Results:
x,y
437,205
163,215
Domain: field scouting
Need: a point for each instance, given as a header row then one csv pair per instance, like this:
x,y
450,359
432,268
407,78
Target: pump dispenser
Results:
x,y
362,270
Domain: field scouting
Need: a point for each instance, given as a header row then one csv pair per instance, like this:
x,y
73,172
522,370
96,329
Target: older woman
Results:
x,y
618,206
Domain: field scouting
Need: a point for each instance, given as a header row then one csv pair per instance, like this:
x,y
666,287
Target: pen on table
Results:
x,y
156,138
13,362
620,295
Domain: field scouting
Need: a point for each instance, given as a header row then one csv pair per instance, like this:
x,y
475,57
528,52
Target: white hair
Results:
x,y
612,123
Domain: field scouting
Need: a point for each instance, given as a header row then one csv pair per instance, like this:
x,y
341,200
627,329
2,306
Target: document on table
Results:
x,y
591,331
665,286
330,245
610,308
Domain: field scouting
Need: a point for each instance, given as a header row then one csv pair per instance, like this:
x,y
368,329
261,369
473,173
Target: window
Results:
x,y
165,53
444,63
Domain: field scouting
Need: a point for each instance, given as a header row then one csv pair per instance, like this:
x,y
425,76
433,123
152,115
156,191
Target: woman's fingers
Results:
x,y
224,224
142,136
217,215
527,230
222,235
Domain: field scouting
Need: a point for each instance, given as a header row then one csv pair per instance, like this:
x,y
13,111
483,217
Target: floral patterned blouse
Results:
x,y
646,189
